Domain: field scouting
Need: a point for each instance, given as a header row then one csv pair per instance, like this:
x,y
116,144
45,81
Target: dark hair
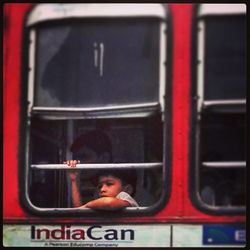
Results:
x,y
127,176
96,139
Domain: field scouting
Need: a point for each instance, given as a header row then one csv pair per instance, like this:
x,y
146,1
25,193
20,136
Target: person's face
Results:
x,y
86,155
109,186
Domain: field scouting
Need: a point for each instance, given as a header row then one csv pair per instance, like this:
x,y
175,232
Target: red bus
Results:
x,y
167,84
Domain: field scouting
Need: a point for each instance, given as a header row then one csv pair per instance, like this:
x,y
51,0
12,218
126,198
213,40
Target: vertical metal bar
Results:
x,y
200,64
95,55
101,59
31,70
162,66
70,138
32,41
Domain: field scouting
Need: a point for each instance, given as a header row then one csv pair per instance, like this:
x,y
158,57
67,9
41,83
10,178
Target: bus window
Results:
x,y
221,112
91,73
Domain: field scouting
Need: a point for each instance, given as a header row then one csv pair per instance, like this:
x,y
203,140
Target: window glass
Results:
x,y
97,63
223,187
223,137
223,141
47,139
47,147
225,53
222,125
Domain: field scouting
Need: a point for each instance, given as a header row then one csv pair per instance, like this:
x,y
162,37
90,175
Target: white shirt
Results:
x,y
126,197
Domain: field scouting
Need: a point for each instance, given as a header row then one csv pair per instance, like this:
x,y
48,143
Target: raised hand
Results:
x,y
71,163
73,174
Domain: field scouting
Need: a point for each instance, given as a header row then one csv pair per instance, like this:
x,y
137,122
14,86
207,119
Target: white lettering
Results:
x,y
240,235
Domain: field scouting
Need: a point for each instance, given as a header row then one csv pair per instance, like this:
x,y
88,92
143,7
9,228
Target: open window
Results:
x,y
221,107
94,66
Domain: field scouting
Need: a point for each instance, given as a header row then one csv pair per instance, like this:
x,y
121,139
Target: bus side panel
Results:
x,y
179,207
14,20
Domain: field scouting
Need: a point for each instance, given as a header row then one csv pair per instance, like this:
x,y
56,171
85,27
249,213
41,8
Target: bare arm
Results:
x,y
74,177
106,203
76,200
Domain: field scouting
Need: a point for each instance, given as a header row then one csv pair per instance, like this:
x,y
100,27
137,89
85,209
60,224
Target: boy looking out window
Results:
x,y
115,187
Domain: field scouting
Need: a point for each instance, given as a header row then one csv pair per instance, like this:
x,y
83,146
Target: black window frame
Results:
x,y
24,141
197,111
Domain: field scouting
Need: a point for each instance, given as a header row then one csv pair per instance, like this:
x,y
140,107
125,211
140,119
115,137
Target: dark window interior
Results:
x,y
225,52
137,140
223,187
223,137
223,140
223,128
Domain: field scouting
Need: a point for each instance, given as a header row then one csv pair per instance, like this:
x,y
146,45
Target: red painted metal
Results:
x,y
179,208
14,18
